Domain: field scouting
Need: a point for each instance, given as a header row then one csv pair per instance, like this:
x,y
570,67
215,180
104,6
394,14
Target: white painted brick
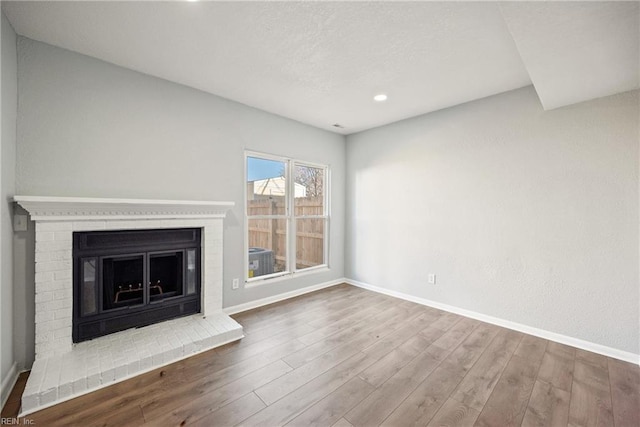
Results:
x,y
65,390
57,285
63,346
30,401
157,359
44,276
89,225
63,255
43,316
33,385
108,376
52,226
174,354
128,225
52,374
49,396
44,236
62,333
120,372
53,325
42,349
45,287
65,274
174,341
93,380
63,323
36,376
45,338
53,266
200,331
63,236
116,225
44,296
62,294
93,365
57,304
51,246
43,256
42,307
189,348
211,328
62,313
146,363
67,373
80,385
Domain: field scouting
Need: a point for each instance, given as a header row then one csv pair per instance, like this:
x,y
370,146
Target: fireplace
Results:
x,y
132,278
97,261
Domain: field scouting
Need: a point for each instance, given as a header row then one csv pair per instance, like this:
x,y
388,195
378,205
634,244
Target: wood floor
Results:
x,y
344,356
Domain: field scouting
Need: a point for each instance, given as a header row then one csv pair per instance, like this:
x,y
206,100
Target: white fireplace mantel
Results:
x,y
45,208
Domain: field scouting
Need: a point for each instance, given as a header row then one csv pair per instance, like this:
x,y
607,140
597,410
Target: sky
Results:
x,y
262,169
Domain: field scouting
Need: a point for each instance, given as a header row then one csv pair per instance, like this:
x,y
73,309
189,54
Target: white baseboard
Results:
x,y
551,336
270,300
8,382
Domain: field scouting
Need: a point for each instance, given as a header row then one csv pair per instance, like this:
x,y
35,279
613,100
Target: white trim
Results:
x,y
245,219
326,215
45,208
289,216
280,297
253,281
8,382
284,276
552,336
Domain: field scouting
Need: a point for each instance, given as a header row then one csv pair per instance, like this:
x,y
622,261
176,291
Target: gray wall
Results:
x,y
89,128
523,214
7,186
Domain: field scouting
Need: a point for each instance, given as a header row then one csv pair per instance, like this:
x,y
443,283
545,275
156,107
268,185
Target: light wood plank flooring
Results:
x,y
345,357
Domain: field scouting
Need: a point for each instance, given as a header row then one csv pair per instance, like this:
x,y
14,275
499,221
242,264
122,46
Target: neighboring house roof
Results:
x,y
276,186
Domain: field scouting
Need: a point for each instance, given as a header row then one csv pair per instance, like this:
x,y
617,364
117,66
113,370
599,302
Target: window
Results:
x,y
286,216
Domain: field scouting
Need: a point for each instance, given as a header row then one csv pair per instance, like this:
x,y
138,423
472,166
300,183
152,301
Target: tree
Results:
x,y
312,179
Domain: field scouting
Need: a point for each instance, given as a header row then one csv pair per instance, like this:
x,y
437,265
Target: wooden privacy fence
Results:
x,y
271,233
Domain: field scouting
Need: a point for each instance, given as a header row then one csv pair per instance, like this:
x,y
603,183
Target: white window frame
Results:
x,y
290,219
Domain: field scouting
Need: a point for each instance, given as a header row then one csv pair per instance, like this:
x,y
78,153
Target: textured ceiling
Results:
x,y
321,62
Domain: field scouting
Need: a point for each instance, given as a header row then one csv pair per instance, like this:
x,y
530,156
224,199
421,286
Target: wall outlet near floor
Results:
x,y
432,279
235,284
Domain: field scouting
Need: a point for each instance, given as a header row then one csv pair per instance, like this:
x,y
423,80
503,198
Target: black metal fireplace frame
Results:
x,y
112,244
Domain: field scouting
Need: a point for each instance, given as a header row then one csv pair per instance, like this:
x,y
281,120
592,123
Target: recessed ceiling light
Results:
x,y
380,97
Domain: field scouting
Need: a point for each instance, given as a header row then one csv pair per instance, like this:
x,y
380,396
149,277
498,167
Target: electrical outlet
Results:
x,y
432,279
235,284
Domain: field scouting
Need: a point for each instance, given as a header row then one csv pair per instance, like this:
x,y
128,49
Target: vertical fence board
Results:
x,y
271,233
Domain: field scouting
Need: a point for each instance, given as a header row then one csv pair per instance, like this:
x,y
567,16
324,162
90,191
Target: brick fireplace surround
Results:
x,y
63,370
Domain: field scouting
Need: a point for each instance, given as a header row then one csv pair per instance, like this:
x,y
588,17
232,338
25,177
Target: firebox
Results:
x,y
132,278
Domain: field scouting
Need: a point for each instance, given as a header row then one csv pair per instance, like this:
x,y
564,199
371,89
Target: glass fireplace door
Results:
x,y
166,275
122,281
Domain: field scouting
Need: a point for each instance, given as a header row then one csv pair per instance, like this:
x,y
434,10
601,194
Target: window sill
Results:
x,y
257,281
